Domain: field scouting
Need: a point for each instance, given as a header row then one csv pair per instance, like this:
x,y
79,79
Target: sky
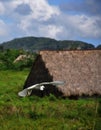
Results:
x,y
57,19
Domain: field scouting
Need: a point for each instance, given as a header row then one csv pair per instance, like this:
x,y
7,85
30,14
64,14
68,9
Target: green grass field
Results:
x,y
47,113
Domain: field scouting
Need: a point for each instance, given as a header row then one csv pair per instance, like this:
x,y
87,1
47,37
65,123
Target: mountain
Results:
x,y
99,46
41,43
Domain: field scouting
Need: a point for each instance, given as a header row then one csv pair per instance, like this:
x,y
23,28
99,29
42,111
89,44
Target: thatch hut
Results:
x,y
80,69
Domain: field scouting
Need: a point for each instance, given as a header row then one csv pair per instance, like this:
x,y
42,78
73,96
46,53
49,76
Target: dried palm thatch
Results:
x,y
81,70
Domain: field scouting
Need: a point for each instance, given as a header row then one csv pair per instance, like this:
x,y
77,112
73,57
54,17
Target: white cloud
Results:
x,y
2,9
46,20
84,26
42,10
50,31
62,26
3,28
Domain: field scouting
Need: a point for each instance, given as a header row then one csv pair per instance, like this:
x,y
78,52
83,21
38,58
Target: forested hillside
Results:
x,y
35,43
99,47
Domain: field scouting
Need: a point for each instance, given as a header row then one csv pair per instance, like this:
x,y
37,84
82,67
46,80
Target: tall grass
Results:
x,y
47,113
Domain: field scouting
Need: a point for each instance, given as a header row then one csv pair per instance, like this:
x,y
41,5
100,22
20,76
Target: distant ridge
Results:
x,y
42,43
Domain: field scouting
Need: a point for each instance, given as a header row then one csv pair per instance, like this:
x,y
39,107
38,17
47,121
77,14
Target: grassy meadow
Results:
x,y
47,113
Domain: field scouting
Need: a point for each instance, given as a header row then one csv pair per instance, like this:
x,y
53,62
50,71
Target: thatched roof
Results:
x,y
81,70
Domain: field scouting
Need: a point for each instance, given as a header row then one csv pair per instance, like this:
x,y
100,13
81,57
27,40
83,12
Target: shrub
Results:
x,y
52,97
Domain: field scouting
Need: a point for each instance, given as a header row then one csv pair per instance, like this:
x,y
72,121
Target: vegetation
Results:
x,y
34,44
99,47
35,113
48,113
7,58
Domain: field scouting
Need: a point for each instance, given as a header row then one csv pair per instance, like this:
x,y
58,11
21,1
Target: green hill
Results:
x,y
41,43
98,47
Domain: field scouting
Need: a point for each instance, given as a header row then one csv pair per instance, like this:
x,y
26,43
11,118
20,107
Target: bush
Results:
x,y
7,58
52,97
